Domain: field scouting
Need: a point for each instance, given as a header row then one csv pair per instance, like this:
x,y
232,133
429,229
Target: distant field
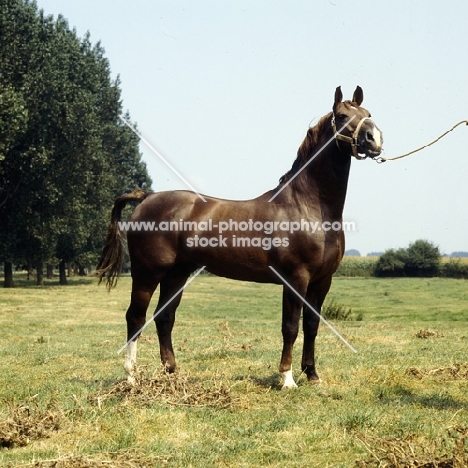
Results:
x,y
461,259
364,266
61,373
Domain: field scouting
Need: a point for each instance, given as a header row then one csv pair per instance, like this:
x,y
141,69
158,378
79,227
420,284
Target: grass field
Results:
x,y
62,402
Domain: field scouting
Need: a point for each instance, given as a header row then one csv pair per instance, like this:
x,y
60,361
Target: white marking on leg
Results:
x,y
130,361
288,380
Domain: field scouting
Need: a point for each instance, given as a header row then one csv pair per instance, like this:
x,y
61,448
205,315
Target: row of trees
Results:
x,y
64,152
420,259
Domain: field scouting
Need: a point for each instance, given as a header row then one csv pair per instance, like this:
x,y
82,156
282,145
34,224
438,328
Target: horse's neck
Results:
x,y
332,179
323,183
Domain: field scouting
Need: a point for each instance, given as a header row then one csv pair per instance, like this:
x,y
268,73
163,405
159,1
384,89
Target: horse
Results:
x,y
269,239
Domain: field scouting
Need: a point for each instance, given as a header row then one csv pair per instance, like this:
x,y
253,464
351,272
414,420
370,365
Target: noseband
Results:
x,y
353,141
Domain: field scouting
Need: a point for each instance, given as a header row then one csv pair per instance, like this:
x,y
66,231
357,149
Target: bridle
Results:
x,y
353,141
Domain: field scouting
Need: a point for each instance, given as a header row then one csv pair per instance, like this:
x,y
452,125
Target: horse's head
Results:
x,y
352,124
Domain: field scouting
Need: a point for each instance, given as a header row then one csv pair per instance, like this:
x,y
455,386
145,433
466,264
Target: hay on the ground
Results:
x,y
25,422
177,389
426,333
122,459
457,371
410,452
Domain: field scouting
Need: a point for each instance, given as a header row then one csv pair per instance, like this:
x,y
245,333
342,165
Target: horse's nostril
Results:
x,y
369,136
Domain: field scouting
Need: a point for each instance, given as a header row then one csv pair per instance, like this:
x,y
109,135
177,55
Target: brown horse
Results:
x,y
291,233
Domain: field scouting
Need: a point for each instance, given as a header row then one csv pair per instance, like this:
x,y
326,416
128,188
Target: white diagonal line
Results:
x,y
159,155
161,309
310,160
313,310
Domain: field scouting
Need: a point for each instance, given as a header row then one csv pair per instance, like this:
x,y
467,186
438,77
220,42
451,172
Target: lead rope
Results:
x,y
382,160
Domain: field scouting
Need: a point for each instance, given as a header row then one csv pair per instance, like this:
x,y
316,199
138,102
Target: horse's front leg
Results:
x,y
316,293
290,327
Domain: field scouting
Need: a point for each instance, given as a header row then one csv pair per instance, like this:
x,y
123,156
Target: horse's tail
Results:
x,y
110,264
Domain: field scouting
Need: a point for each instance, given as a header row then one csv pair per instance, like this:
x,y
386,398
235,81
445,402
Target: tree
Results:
x,y
423,259
352,253
64,153
391,263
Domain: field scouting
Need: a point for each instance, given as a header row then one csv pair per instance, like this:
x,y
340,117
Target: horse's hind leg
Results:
x,y
169,299
136,316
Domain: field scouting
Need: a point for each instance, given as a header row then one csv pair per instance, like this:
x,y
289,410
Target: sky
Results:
x,y
225,92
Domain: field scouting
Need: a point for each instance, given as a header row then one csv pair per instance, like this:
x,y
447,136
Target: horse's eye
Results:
x,y
342,116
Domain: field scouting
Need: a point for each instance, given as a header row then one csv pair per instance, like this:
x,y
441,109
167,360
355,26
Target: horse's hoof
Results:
x,y
317,381
289,387
288,380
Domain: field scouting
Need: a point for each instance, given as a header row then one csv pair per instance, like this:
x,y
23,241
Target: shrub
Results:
x,y
391,263
335,311
454,269
423,259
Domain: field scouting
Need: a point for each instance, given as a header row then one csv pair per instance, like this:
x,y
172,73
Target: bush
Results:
x,y
391,263
454,269
421,258
334,311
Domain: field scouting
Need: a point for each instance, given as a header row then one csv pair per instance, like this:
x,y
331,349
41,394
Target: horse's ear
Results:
x,y
358,96
338,95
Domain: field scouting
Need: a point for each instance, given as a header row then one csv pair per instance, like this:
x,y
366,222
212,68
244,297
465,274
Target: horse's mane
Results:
x,y
307,147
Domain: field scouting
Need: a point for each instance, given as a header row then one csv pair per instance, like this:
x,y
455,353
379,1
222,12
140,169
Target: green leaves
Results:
x,y
64,154
421,258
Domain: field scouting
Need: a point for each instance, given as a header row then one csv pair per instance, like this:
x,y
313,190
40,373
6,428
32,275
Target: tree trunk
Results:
x,y
81,270
50,271
30,270
8,280
62,273
40,273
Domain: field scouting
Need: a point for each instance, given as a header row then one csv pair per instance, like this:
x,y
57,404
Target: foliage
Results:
x,y
459,254
352,253
391,263
421,258
64,153
331,310
454,269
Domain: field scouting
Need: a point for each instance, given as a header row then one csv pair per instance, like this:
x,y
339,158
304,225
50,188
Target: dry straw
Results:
x,y
457,371
26,422
178,389
121,459
448,451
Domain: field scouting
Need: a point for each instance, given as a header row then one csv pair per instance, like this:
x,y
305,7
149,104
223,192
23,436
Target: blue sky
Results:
x,y
226,90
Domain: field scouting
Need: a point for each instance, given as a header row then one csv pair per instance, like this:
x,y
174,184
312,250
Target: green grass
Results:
x,y
60,343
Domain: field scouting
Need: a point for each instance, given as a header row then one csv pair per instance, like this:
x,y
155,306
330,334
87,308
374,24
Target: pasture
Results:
x,y
404,394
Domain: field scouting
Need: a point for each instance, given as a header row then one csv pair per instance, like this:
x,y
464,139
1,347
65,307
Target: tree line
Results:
x,y
421,258
64,152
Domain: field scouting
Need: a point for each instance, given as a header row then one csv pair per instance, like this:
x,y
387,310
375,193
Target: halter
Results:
x,y
353,141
